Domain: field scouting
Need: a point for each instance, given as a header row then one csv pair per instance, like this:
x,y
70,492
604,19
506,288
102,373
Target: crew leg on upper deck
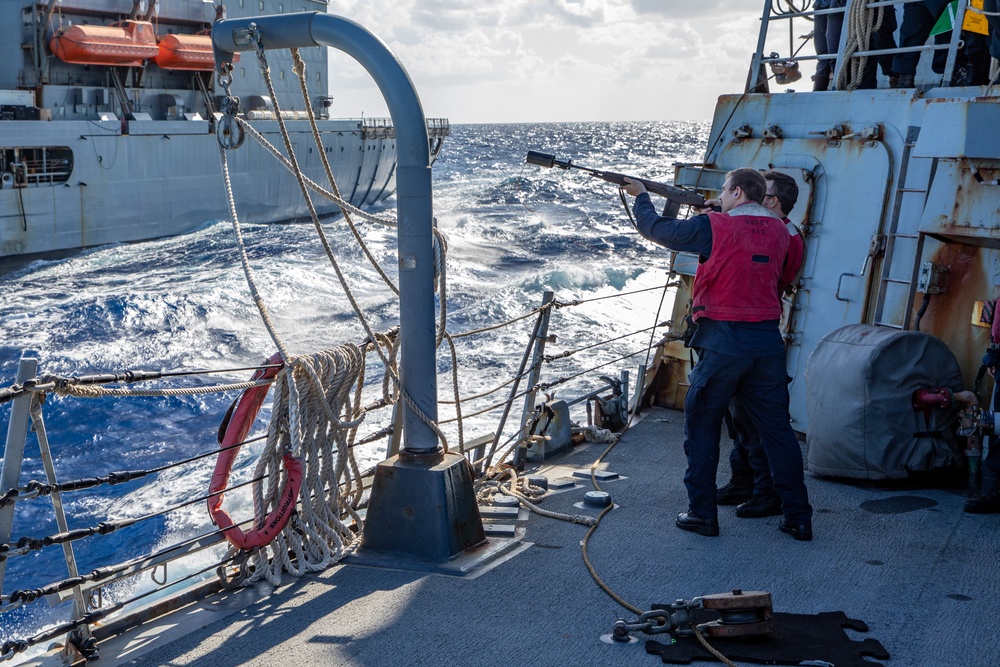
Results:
x,y
826,39
918,21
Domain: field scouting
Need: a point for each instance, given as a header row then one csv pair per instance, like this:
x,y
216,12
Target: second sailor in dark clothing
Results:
x,y
736,306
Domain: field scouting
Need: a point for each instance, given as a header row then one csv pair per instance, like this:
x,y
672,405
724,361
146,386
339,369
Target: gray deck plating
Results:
x,y
922,574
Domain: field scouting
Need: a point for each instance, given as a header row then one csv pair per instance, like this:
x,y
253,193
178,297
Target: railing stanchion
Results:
x,y
640,379
38,426
956,37
13,455
536,368
513,390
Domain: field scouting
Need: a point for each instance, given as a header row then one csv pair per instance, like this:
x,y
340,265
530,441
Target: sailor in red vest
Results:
x,y
736,306
750,487
989,502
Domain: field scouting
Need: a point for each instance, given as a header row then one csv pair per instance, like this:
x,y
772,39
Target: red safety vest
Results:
x,y
739,281
794,260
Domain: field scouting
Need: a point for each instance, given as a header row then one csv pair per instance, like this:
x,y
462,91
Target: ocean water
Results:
x,y
182,304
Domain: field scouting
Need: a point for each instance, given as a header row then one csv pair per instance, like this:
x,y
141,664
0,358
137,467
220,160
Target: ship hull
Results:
x,y
165,178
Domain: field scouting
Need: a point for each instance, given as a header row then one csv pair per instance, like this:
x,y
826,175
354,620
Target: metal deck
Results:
x,y
909,563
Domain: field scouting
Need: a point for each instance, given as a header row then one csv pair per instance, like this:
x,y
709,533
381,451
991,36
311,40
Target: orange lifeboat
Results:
x,y
190,52
126,43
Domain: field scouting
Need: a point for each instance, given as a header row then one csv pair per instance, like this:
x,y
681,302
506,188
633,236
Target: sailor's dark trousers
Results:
x,y
991,462
918,21
747,460
761,384
826,38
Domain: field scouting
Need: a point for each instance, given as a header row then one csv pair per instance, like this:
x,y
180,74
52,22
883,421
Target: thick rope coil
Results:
x,y
861,23
312,414
598,434
520,488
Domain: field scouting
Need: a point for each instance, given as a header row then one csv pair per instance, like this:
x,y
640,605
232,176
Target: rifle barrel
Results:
x,y
670,192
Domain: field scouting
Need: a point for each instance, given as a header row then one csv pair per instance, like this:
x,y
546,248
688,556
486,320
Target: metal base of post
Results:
x,y
559,434
423,507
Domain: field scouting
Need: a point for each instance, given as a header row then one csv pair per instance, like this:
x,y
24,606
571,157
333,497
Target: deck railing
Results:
x,y
775,11
97,595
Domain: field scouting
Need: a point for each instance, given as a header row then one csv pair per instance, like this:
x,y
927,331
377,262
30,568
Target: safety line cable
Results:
x,y
495,406
531,313
35,489
26,596
12,647
544,386
488,392
28,544
578,302
568,353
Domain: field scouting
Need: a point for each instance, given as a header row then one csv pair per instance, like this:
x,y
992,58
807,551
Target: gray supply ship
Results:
x,y
462,559
104,110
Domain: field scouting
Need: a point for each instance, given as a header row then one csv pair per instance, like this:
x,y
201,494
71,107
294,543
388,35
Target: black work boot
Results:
x,y
759,506
902,81
988,503
734,493
695,524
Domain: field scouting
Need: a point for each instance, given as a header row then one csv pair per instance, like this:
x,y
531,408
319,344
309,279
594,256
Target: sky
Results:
x,y
489,61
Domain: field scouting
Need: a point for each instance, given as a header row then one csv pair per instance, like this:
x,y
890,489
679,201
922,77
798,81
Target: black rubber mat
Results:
x,y
797,638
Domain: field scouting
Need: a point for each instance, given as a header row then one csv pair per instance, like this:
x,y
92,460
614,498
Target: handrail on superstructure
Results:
x,y
758,79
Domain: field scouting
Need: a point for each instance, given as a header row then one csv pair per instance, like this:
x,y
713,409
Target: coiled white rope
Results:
x,y
861,24
314,415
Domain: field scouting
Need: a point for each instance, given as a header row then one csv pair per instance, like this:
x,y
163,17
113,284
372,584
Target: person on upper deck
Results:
x,y
750,486
826,39
883,38
992,10
736,307
919,18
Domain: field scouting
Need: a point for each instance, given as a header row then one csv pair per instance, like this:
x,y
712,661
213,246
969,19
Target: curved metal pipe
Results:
x,y
413,188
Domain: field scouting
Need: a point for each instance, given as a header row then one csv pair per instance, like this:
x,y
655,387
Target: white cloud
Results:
x,y
551,60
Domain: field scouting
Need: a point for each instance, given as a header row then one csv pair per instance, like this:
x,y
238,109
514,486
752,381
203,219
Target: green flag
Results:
x,y
973,21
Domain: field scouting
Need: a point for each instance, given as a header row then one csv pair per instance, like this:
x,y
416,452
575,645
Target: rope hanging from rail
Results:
x,y
861,24
309,401
299,67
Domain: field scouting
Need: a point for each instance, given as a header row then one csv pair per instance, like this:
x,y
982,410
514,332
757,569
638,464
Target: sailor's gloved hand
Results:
x,y
992,357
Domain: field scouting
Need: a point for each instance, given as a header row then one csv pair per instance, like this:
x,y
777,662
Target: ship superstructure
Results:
x,y
107,112
897,205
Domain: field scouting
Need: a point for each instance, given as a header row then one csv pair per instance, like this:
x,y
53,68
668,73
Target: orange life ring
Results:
x,y
234,429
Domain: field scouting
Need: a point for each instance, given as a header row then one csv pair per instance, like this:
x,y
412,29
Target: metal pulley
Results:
x,y
741,614
229,133
227,130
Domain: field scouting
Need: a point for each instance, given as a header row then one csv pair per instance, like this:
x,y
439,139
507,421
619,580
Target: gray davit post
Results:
x,y
422,502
